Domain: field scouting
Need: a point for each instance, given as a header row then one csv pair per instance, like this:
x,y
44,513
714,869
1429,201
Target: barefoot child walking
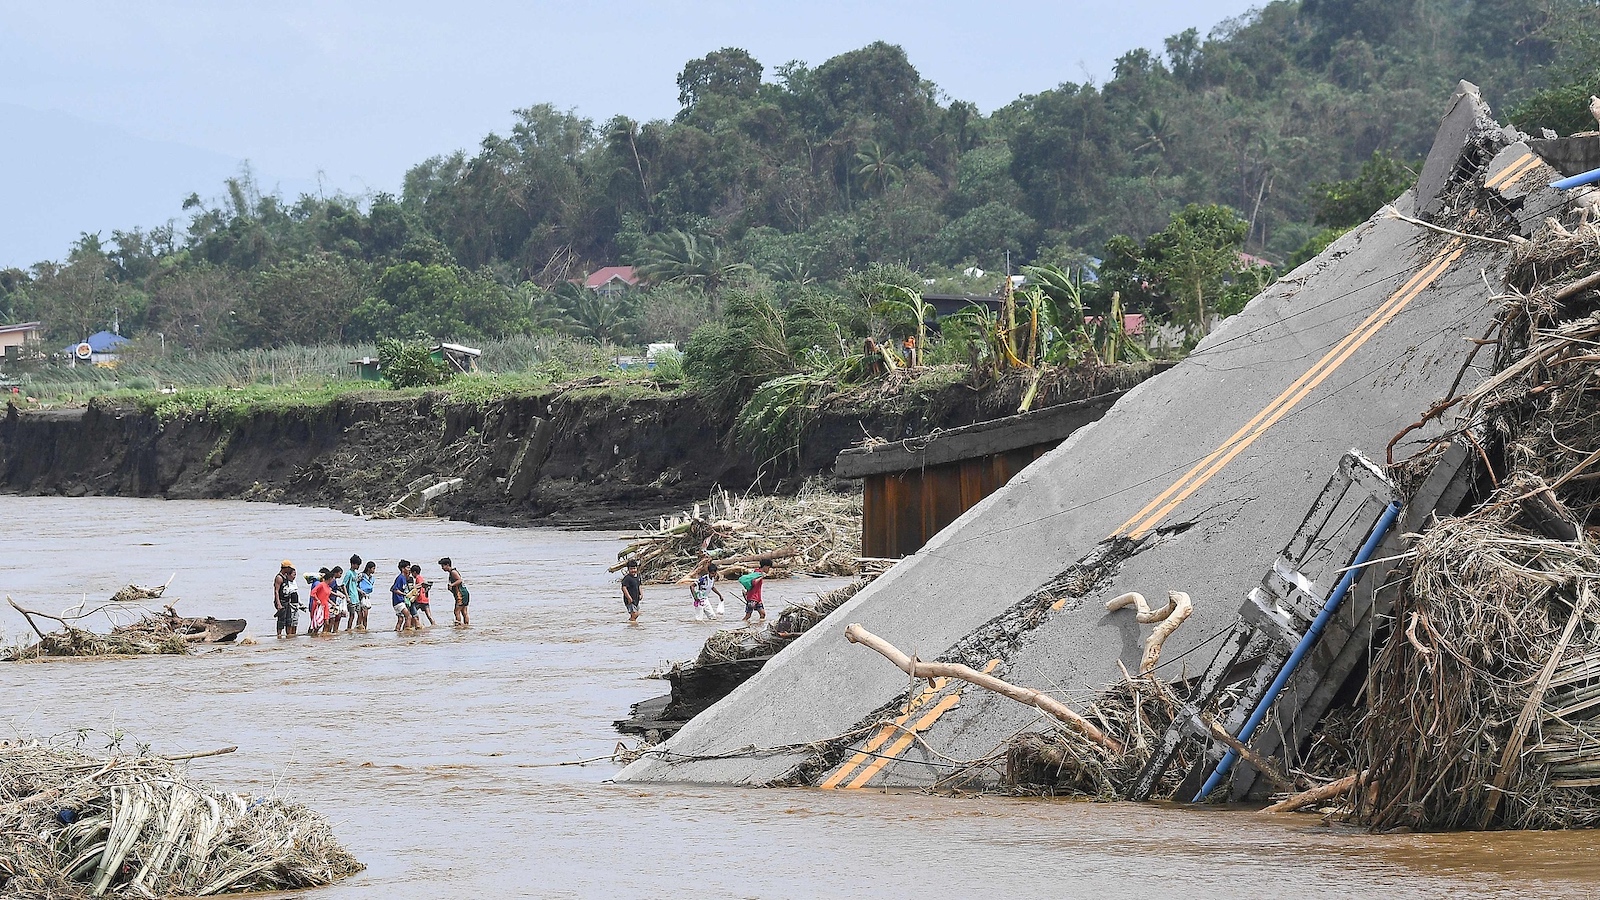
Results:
x,y
397,596
419,598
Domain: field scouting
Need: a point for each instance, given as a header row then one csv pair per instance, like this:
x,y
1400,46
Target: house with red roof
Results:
x,y
611,279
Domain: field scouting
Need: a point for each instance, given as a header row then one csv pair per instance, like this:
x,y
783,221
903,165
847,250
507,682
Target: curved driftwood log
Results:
x,y
1170,617
1046,704
1178,609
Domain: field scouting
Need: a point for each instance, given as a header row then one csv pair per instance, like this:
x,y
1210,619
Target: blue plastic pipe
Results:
x,y
1589,177
1385,522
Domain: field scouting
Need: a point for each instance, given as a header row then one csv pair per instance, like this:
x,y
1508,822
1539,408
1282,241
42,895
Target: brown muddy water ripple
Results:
x,y
429,752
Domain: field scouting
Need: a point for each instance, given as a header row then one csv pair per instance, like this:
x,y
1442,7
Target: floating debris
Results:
x,y
81,826
155,632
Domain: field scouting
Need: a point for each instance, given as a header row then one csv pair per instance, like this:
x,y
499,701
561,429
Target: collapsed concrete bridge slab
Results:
x,y
1193,481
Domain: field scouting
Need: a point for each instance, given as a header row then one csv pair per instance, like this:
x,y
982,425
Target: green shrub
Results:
x,y
410,364
669,366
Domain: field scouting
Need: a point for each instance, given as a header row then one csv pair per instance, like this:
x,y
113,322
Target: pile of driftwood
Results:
x,y
78,826
1482,705
815,532
153,632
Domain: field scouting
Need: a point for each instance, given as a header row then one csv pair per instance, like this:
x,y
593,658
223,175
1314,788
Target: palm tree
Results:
x,y
875,166
686,257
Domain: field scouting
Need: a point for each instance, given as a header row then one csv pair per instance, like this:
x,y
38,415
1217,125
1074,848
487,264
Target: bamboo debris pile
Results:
x,y
815,532
81,826
1482,704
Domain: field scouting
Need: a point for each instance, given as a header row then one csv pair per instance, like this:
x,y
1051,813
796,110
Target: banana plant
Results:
x,y
905,302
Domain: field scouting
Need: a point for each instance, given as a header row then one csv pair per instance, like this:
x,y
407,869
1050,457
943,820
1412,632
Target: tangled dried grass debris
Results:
x,y
83,826
815,532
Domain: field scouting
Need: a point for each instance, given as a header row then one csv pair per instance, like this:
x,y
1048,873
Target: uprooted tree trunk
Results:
x,y
1046,704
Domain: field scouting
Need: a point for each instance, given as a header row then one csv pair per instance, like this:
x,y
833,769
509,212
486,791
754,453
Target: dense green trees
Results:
x,y
1270,135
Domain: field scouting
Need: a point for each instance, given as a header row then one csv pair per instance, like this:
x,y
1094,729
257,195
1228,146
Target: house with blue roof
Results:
x,y
99,348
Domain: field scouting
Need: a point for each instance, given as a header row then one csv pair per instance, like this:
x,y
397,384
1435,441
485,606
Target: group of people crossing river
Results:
x,y
341,596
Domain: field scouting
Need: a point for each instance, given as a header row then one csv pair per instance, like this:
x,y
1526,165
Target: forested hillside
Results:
x,y
1278,125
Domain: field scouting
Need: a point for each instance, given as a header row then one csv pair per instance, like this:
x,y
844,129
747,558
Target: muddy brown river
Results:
x,y
432,754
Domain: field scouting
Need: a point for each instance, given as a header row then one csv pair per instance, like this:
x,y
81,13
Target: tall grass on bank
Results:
x,y
147,369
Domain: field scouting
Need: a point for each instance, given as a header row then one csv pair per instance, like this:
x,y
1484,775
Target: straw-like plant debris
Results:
x,y
815,532
1481,704
79,826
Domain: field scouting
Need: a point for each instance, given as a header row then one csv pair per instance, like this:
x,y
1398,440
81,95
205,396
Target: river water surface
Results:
x,y
432,753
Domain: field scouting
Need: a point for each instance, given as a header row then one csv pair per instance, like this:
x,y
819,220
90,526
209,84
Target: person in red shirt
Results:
x,y
321,602
423,604
752,583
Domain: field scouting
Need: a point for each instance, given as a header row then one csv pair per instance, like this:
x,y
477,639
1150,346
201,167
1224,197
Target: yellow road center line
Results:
x,y
1267,410
888,730
904,741
1435,269
909,735
1514,172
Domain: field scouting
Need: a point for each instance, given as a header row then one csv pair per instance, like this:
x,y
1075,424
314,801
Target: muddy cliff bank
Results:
x,y
586,455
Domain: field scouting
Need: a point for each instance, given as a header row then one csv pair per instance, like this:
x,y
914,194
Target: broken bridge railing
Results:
x,y
1290,650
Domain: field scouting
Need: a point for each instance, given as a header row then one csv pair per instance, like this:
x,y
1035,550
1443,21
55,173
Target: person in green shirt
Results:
x,y
751,582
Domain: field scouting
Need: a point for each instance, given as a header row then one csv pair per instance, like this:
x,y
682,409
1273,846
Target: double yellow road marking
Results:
x,y
866,763
903,736
1148,517
1513,173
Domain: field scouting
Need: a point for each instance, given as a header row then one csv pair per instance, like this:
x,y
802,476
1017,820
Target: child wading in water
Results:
x,y
700,592
632,591
365,585
321,601
350,586
458,590
397,596
336,600
752,591
420,598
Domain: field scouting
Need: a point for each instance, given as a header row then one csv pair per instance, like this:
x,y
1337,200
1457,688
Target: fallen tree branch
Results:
x,y
1261,764
1315,795
202,754
1046,704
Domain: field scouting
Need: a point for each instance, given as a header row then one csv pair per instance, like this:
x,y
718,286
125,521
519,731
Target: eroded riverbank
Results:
x,y
430,753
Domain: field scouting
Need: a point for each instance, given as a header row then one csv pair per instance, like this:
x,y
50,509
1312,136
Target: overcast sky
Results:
x,y
359,91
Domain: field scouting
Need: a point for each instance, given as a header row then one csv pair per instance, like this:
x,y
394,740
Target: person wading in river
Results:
x,y
364,588
397,596
286,600
350,586
458,590
419,597
700,592
336,601
751,583
321,602
632,591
